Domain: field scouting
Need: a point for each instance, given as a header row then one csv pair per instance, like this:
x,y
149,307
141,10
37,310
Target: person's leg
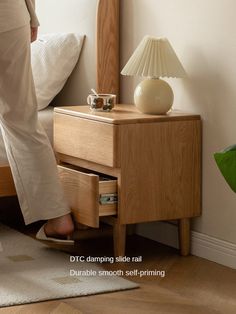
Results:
x,y
29,152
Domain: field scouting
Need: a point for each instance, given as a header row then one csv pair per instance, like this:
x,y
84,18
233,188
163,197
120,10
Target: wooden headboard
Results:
x,y
98,66
99,62
107,56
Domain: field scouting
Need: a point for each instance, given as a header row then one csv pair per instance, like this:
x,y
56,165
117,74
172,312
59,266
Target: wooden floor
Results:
x,y
191,285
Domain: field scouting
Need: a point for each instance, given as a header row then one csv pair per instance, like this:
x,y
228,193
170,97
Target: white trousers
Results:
x,y
29,151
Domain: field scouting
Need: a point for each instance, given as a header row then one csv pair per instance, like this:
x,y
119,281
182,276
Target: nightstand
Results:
x,y
152,164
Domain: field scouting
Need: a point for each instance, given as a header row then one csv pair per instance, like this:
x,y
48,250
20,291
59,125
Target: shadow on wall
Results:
x,y
206,87
127,46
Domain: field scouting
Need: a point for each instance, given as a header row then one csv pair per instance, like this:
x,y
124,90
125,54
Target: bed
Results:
x,y
98,65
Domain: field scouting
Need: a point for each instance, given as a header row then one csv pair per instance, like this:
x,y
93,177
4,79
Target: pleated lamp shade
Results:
x,y
154,57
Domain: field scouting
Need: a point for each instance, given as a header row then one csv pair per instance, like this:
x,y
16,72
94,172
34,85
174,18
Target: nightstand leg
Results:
x,y
119,239
184,236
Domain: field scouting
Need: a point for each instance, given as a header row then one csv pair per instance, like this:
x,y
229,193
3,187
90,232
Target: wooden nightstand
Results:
x,y
152,162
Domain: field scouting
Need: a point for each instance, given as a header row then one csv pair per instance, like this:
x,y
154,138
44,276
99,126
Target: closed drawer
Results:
x,y
86,139
89,195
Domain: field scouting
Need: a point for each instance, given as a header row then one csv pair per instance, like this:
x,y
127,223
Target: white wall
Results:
x,y
203,36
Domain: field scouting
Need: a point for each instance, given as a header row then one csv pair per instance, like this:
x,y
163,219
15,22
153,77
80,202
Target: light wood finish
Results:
x,y
82,191
119,238
159,168
107,68
115,172
108,47
7,187
184,236
64,308
86,139
124,114
119,234
107,187
160,171
191,285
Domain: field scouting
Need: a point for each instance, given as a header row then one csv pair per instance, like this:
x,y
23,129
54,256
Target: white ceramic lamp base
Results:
x,y
153,96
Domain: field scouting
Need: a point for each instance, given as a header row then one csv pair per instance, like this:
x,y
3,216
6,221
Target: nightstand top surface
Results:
x,y
123,114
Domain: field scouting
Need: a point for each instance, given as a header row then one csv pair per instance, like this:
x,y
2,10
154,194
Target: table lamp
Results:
x,y
154,58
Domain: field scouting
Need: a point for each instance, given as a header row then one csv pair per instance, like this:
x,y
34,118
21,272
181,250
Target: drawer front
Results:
x,y
86,139
84,190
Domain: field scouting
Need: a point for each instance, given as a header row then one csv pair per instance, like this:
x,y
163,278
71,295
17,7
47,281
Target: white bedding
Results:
x,y
46,118
73,18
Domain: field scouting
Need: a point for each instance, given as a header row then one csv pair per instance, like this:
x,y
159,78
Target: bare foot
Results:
x,y
60,226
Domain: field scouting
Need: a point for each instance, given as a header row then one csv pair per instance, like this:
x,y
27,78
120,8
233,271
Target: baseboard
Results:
x,y
203,245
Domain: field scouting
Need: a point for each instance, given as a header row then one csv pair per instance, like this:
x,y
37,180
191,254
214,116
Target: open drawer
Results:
x,y
89,195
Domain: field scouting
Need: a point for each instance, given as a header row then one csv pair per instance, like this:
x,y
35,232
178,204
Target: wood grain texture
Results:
x,y
160,171
124,114
119,239
107,187
108,47
86,164
64,308
7,187
83,191
184,236
86,139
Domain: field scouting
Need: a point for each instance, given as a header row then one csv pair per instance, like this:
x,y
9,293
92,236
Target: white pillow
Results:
x,y
53,58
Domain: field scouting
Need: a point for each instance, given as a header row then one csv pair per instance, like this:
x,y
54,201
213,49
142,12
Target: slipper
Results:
x,y
41,235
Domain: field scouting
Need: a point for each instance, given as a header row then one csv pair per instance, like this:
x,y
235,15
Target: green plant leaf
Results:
x,y
226,161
